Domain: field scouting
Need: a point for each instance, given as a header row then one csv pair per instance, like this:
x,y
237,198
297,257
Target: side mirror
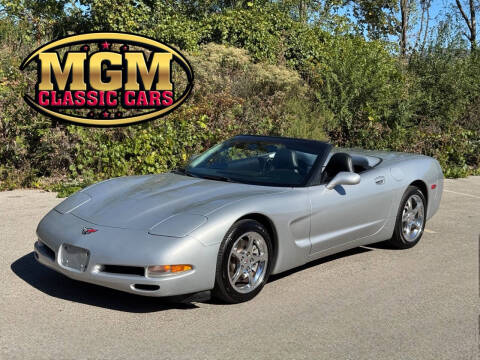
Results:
x,y
344,178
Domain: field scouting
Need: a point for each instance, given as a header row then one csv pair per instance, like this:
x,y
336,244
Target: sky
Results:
x,y
438,10
437,7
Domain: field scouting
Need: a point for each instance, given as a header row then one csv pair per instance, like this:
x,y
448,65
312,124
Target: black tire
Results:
x,y
398,239
223,289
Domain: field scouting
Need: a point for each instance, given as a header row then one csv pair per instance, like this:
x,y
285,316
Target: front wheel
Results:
x,y
244,262
410,219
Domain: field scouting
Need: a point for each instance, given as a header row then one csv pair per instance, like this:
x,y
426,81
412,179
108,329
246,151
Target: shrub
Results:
x,y
232,95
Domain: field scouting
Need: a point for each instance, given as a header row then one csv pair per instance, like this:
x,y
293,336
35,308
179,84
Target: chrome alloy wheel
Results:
x,y
247,262
413,217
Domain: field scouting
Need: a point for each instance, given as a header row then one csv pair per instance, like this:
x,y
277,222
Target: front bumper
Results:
x,y
126,249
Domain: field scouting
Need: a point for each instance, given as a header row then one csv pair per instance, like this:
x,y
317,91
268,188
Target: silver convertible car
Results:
x,y
247,208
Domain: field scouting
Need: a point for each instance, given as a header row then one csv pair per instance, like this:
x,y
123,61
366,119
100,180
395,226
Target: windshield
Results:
x,y
260,160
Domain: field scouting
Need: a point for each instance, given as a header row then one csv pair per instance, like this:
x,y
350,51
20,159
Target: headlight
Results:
x,y
160,270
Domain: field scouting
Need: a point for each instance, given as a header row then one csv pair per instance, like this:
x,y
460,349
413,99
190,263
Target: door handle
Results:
x,y
380,180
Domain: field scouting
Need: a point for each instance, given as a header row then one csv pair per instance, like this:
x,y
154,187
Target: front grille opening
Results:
x,y
46,251
123,270
145,287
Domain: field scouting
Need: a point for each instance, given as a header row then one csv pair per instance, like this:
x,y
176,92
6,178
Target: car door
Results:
x,y
348,212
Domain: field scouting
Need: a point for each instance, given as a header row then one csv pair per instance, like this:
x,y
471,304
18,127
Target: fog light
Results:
x,y
159,270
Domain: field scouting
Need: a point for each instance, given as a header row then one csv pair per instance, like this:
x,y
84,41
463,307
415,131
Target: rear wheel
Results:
x,y
410,219
244,262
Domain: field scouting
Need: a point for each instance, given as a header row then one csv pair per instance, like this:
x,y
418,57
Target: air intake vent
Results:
x,y
46,251
123,270
145,287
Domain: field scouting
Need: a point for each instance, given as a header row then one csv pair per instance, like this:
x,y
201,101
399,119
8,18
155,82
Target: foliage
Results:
x,y
287,67
361,85
446,103
232,95
377,17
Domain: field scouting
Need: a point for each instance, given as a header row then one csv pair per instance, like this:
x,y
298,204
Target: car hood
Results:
x,y
139,202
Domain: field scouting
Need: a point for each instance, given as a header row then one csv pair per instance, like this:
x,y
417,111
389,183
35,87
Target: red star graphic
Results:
x,y
85,48
106,114
124,48
106,45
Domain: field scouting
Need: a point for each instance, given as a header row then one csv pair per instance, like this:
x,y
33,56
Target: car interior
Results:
x,y
350,162
280,159
283,164
337,163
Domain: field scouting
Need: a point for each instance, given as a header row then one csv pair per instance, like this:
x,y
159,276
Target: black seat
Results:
x,y
338,162
285,159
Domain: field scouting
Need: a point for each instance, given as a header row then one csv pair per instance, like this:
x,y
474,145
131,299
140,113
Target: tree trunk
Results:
x,y
420,31
473,37
471,23
426,29
404,9
302,11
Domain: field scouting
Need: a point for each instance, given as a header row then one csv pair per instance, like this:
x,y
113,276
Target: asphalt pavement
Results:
x,y
366,303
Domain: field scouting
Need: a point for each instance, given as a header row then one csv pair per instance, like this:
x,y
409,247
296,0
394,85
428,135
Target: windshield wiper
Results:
x,y
183,171
216,177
